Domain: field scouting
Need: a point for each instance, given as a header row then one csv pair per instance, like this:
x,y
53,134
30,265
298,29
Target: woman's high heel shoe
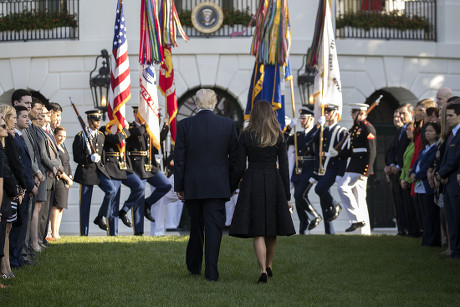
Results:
x,y
269,272
263,278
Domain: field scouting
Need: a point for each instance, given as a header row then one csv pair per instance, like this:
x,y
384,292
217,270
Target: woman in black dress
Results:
x,y
262,210
61,191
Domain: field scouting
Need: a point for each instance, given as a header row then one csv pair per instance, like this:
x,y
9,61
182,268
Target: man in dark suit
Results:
x,y
19,230
390,159
90,171
447,175
204,152
396,162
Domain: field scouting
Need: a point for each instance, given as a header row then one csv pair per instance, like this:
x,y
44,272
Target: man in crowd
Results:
x,y
55,112
442,95
19,231
447,175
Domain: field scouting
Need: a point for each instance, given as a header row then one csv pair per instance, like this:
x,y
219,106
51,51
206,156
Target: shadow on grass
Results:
x,y
308,270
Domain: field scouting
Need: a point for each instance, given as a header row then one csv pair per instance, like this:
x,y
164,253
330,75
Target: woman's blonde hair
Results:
x,y
7,111
263,124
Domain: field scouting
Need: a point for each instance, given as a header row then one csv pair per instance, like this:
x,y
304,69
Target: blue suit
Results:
x,y
448,169
19,230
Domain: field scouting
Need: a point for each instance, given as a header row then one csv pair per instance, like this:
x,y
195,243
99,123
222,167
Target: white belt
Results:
x,y
360,149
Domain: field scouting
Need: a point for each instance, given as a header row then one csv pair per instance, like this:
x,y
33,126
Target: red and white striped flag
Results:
x,y
120,81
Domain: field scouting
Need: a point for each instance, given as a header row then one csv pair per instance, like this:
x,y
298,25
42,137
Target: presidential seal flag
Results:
x,y
148,111
120,81
323,56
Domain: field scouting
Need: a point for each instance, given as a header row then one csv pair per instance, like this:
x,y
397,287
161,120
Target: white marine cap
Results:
x,y
359,106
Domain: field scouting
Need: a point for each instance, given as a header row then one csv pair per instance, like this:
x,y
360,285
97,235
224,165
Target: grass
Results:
x,y
308,270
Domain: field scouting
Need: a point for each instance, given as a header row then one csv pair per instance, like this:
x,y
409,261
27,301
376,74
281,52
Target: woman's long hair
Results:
x,y
263,124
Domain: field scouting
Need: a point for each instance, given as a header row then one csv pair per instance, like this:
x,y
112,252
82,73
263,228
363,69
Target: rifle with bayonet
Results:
x,y
84,128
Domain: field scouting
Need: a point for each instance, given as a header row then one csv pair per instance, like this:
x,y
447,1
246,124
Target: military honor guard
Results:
x,y
361,149
304,170
144,165
119,169
87,153
328,168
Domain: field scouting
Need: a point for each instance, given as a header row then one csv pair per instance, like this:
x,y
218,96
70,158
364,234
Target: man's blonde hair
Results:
x,y
206,99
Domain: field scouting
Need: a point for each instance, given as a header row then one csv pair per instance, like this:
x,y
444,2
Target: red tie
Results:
x,y
449,139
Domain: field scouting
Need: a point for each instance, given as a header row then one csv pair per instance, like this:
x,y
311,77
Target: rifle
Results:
x,y
83,127
339,146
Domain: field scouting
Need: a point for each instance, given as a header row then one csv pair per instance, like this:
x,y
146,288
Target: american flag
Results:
x,y
120,81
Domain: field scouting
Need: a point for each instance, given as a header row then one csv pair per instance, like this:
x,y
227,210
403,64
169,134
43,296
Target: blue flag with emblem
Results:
x,y
268,83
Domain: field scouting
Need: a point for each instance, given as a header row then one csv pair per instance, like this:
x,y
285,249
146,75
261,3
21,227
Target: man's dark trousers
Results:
x,y
207,220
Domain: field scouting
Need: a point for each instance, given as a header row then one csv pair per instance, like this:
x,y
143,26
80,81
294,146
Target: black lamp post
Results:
x,y
306,81
100,83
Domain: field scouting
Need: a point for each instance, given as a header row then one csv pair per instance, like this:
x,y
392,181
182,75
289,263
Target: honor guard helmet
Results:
x,y
305,112
359,106
94,114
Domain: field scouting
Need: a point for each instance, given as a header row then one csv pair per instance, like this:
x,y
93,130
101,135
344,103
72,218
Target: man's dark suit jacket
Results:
x,y
204,152
398,147
26,162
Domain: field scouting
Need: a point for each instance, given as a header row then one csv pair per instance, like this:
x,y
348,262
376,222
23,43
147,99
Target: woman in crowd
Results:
x,y
9,116
424,194
413,225
10,194
61,190
262,210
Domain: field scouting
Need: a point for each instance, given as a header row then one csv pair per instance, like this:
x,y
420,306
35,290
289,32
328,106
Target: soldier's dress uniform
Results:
x,y
352,188
306,155
333,166
89,173
137,149
120,173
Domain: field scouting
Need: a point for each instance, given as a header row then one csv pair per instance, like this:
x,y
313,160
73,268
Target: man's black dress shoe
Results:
x,y
148,212
99,221
355,226
315,223
124,218
262,278
269,272
334,213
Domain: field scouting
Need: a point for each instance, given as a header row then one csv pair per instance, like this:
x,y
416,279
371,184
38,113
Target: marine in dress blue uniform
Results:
x,y
148,170
91,171
361,150
306,165
333,167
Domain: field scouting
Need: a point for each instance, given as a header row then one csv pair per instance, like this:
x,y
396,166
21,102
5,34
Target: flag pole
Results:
x,y
297,169
321,169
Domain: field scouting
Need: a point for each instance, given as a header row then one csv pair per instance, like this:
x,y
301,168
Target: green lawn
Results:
x,y
315,270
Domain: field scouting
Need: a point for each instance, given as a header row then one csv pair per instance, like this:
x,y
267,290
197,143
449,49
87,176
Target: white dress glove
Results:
x,y
95,157
293,122
312,180
322,120
333,153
